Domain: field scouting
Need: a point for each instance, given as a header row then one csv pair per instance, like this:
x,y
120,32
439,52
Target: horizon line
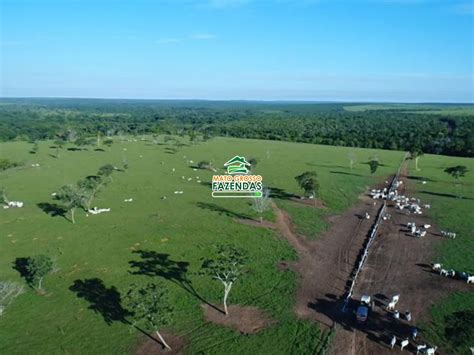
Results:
x,y
314,101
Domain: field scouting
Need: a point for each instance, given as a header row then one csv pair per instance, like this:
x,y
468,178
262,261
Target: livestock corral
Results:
x,y
380,239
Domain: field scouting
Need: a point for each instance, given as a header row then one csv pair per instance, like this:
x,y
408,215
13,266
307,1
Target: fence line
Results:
x,y
363,254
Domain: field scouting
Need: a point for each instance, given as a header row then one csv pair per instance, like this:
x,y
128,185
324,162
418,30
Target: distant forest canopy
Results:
x,y
434,128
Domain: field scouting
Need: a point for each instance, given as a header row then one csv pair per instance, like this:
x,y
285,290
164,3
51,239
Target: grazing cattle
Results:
x,y
163,197
396,314
403,344
421,348
391,306
470,279
396,298
408,316
96,210
431,351
426,226
443,272
367,216
427,206
451,273
393,341
128,200
437,266
414,333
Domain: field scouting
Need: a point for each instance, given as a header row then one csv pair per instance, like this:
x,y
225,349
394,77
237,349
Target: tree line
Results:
x,y
329,124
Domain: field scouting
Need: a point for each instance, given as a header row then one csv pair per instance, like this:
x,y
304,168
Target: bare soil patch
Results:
x,y
398,263
245,319
149,346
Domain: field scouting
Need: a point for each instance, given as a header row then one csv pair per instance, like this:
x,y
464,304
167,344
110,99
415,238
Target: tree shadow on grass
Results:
x,y
103,300
53,209
344,173
281,194
221,210
421,178
445,195
106,301
161,265
20,265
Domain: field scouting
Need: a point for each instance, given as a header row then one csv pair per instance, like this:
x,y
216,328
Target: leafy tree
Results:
x,y
108,142
106,171
457,171
89,188
35,148
6,164
262,204
352,159
36,268
308,181
226,267
3,196
8,292
416,153
59,142
150,308
373,164
253,163
72,197
82,141
204,164
192,136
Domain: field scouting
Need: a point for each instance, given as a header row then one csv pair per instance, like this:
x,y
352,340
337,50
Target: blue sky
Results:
x,y
342,50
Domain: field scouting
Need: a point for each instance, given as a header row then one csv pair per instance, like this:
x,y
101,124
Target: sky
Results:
x,y
314,50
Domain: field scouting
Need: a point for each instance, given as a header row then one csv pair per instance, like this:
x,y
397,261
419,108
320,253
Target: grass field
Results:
x,y
453,214
183,226
450,110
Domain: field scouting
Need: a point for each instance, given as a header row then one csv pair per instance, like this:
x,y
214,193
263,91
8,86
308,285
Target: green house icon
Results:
x,y
237,165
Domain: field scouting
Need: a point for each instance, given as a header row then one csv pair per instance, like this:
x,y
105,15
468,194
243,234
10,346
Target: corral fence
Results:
x,y
364,252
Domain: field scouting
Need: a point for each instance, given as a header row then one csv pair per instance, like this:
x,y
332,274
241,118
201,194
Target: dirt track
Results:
x,y
397,264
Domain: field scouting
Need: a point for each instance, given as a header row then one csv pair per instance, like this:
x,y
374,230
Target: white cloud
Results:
x,y
202,36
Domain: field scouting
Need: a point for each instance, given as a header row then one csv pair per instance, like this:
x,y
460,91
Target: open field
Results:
x,y
449,110
100,247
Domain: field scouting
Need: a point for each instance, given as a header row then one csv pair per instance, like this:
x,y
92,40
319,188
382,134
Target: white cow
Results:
x,y
470,279
421,348
437,266
393,341
404,344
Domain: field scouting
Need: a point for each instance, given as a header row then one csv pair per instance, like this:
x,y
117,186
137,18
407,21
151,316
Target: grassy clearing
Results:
x,y
182,226
454,214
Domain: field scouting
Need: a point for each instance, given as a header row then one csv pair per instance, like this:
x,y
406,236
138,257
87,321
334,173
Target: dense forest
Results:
x,y
434,128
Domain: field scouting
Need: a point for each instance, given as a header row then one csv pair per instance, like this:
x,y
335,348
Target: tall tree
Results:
x,y
262,204
106,171
456,172
150,308
352,159
72,197
373,164
36,268
89,188
416,153
226,267
308,181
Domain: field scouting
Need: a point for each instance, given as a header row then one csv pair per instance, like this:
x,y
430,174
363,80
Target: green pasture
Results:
x,y
182,227
452,210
